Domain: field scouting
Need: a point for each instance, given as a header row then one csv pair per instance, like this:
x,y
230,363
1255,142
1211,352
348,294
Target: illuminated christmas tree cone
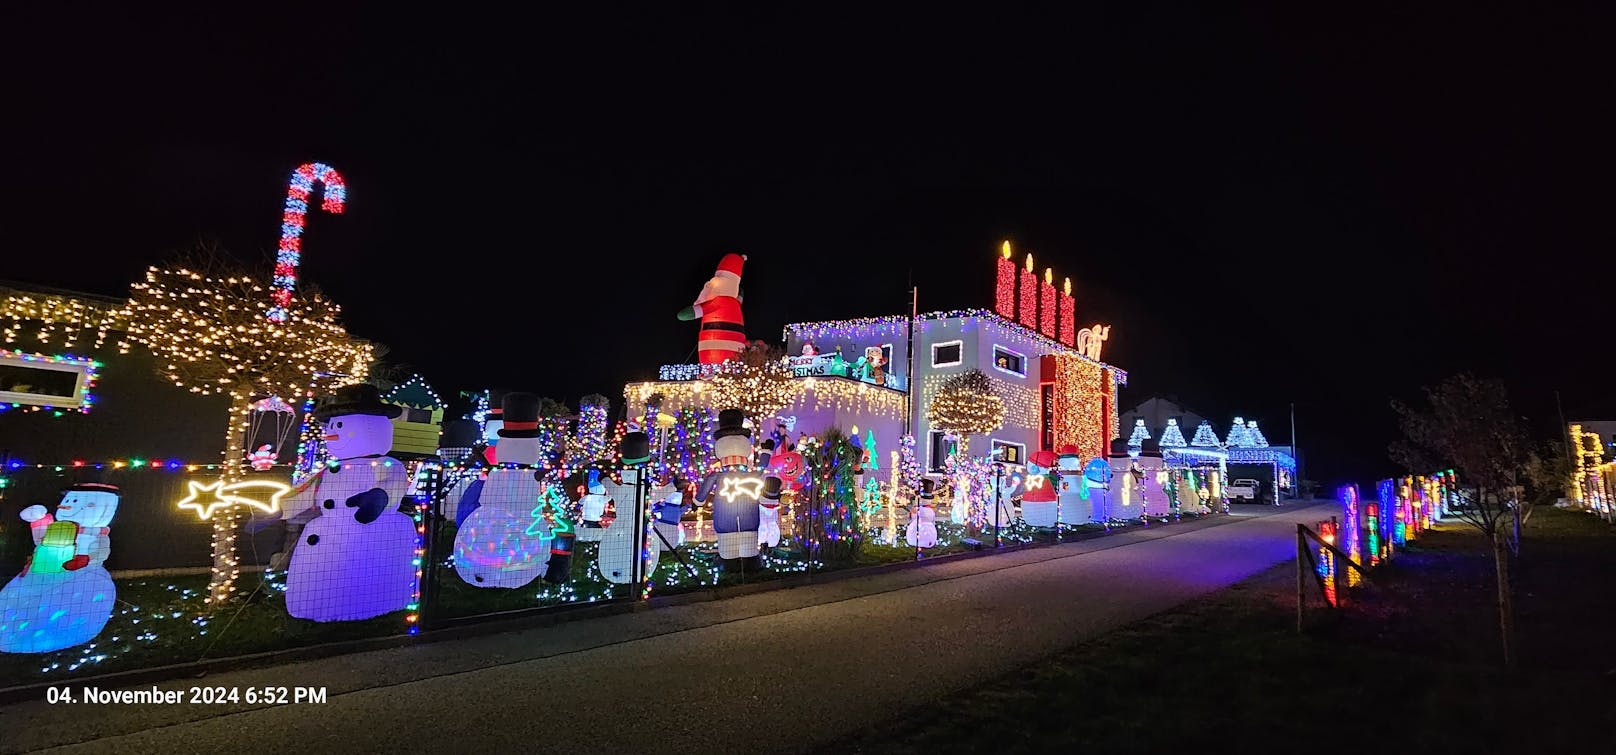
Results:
x,y
734,490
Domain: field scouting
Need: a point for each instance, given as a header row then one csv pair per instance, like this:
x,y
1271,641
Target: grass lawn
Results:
x,y
1409,666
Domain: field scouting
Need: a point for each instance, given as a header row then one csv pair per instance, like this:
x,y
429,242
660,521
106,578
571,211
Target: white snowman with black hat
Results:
x,y
503,542
354,559
922,531
734,490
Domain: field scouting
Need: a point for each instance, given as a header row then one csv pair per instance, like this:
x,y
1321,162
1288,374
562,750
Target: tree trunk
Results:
x,y
227,519
1506,606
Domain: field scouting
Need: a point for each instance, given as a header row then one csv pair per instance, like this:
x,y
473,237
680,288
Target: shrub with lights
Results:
x,y
966,404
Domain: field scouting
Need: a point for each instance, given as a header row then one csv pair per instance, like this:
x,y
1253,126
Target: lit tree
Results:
x,y
1172,437
966,404
204,322
589,442
1469,426
1140,433
1204,437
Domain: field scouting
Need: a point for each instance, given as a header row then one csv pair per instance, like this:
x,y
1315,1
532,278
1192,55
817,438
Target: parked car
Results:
x,y
1243,490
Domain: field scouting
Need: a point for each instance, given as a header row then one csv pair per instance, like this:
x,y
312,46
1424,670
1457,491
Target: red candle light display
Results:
x,y
1005,286
1068,315
1029,296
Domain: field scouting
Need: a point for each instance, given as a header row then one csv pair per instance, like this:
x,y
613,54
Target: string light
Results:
x,y
53,316
1029,297
1068,315
88,370
288,255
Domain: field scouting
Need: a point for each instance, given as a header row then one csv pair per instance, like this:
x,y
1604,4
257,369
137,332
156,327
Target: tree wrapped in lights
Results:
x,y
1255,436
203,321
1172,437
966,404
589,442
1204,437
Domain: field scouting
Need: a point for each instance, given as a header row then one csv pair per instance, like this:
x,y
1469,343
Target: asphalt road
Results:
x,y
781,671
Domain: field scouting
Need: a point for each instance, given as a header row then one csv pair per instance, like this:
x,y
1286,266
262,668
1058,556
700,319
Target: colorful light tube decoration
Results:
x,y
289,254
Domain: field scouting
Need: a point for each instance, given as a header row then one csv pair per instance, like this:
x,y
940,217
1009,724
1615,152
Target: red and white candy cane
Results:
x,y
290,251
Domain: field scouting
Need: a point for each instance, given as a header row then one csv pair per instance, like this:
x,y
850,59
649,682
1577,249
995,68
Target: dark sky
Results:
x,y
1269,206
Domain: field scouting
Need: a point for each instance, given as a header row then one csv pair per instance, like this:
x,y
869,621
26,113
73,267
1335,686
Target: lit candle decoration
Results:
x,y
1029,296
1046,304
1004,291
1068,315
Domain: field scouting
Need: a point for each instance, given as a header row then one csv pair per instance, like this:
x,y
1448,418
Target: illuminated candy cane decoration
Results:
x,y
290,251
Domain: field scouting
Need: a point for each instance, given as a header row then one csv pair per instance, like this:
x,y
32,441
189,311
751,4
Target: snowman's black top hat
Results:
x,y
730,422
771,488
521,415
361,398
635,448
928,488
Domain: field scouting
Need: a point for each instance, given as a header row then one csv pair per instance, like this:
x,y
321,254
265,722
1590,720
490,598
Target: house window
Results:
x,y
941,447
1009,453
1005,360
26,380
947,354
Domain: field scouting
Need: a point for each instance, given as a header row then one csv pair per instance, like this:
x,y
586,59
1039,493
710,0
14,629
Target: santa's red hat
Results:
x,y
731,264
1044,459
1068,450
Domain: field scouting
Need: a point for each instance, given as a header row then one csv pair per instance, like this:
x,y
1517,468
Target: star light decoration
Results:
x,y
223,495
751,487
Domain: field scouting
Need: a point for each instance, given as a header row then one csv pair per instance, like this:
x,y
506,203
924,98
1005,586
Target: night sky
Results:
x,y
1268,207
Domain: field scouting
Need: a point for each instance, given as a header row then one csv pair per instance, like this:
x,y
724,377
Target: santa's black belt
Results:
x,y
722,326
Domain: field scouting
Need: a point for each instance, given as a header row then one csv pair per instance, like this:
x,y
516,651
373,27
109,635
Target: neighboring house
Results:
x,y
1155,411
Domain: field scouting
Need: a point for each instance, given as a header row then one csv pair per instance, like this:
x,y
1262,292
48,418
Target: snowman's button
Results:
x,y
314,539
330,503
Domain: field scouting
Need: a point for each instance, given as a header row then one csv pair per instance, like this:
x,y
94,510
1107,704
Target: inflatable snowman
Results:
x,y
769,513
1189,495
1127,484
733,490
1076,503
354,559
597,510
504,541
666,511
1097,476
622,541
64,595
1154,470
922,530
1042,492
